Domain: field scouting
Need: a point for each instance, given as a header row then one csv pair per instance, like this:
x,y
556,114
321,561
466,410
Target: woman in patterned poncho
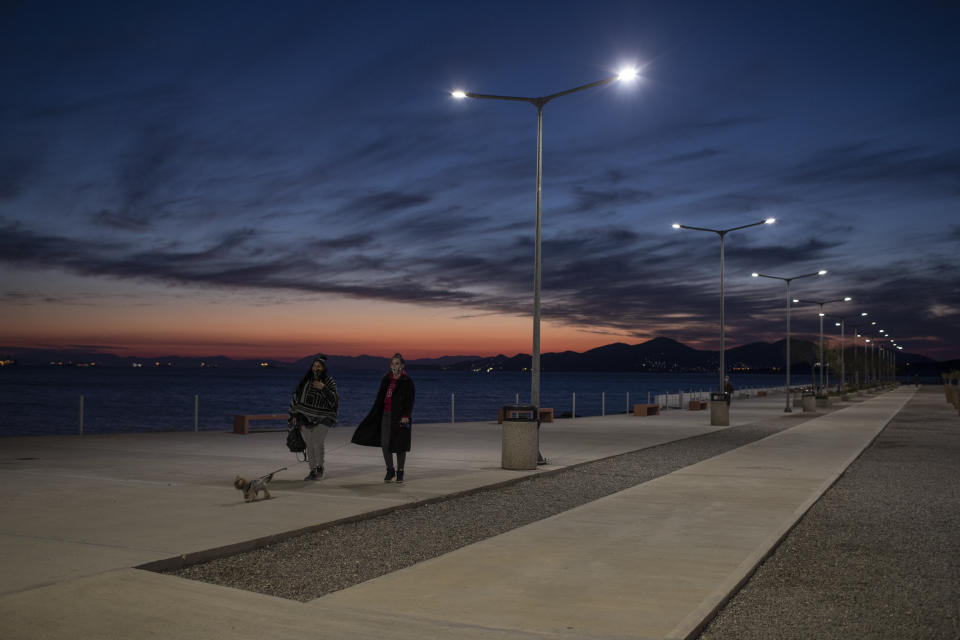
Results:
x,y
314,409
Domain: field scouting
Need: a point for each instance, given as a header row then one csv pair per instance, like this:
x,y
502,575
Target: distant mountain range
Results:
x,y
657,355
666,355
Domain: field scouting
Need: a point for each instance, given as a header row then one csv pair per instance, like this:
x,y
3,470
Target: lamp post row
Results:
x,y
539,103
822,272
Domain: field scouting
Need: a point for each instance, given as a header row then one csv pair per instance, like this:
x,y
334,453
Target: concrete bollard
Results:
x,y
719,410
518,449
809,402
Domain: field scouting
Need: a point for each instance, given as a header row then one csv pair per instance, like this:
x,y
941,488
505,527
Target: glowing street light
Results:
x,y
822,272
821,303
722,233
843,343
624,75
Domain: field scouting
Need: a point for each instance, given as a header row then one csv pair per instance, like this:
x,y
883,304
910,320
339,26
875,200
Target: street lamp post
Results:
x,y
843,345
788,409
856,360
722,233
821,303
886,358
872,368
857,368
539,103
843,371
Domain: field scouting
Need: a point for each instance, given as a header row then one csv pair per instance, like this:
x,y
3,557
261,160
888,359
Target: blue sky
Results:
x,y
272,177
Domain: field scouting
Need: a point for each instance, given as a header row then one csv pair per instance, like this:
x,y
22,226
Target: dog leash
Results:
x,y
269,476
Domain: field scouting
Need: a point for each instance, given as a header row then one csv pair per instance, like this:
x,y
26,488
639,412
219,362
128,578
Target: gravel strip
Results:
x,y
309,566
878,556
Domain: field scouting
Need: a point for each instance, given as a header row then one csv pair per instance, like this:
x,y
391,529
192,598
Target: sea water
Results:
x,y
47,400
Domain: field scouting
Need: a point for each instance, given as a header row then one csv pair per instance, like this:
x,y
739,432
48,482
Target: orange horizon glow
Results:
x,y
161,322
413,346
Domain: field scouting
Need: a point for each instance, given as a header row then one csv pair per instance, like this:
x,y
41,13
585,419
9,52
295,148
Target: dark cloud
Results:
x,y
121,221
16,171
150,164
604,279
386,202
863,164
810,251
588,200
675,130
335,243
745,201
693,156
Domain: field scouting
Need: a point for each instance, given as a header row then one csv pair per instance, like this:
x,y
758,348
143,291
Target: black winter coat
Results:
x,y
401,404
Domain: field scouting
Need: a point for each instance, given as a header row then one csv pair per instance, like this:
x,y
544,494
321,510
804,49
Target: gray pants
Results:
x,y
385,444
314,437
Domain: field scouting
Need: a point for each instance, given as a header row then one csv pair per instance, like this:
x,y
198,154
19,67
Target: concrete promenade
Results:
x,y
651,561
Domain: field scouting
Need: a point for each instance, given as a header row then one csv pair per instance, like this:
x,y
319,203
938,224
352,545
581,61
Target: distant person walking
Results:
x,y
727,388
388,425
314,408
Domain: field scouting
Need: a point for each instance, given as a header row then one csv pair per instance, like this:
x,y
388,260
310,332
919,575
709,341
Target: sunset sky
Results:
x,y
261,179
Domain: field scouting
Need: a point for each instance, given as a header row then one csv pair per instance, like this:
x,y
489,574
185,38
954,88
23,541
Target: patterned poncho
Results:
x,y
314,406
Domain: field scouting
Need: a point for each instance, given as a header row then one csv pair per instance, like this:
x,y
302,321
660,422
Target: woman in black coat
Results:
x,y
389,423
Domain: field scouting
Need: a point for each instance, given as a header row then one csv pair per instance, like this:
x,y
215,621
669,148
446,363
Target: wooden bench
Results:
x,y
646,409
241,422
697,405
761,394
546,414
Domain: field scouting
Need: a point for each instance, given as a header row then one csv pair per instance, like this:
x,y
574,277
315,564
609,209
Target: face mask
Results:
x,y
395,369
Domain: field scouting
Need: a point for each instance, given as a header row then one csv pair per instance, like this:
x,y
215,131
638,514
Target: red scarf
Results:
x,y
387,401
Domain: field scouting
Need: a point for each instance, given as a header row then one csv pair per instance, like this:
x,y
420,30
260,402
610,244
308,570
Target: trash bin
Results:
x,y
809,401
519,445
720,409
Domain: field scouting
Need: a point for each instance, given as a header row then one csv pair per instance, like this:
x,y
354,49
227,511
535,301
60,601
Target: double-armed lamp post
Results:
x,y
539,104
822,303
722,233
788,409
843,345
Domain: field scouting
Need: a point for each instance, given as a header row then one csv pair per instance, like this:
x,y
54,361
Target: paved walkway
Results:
x,y
651,561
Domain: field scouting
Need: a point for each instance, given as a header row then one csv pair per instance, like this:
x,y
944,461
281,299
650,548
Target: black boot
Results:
x,y
390,475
